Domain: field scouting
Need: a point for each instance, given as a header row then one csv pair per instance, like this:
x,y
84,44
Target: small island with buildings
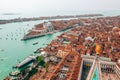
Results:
x,y
89,50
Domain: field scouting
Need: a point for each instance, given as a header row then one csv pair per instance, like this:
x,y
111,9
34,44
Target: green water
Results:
x,y
95,75
12,49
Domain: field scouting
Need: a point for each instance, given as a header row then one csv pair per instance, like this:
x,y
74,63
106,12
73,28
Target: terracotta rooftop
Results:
x,y
99,29
69,66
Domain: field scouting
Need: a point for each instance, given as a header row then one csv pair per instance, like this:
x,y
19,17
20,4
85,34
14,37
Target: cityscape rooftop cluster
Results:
x,y
64,54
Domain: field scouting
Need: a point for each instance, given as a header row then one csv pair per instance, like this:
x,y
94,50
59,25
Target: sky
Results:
x,y
28,6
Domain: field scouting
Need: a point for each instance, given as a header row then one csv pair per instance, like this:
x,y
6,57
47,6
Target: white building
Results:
x,y
48,26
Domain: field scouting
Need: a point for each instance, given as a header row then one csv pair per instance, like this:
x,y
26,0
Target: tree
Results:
x,y
39,58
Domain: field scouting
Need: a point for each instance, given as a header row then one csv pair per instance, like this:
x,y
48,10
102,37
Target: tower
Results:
x,y
97,49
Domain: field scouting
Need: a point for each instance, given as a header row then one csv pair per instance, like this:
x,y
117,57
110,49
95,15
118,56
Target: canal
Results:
x,y
13,50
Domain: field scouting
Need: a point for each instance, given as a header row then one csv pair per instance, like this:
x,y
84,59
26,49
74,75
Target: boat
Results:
x,y
2,50
26,61
1,59
38,50
27,24
35,43
15,73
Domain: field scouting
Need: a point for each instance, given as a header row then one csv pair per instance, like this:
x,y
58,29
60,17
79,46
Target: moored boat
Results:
x,y
15,73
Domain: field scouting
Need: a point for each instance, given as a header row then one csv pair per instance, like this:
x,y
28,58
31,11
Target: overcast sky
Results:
x,y
56,5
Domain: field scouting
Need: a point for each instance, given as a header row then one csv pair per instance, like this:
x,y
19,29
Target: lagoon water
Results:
x,y
13,50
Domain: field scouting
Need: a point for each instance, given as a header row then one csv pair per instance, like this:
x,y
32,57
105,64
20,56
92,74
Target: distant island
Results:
x,y
45,18
10,14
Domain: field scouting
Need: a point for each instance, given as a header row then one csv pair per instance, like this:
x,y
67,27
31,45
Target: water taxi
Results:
x,y
35,43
